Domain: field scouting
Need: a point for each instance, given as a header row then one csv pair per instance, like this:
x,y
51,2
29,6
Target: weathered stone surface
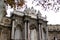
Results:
x,y
1,9
4,33
25,25
54,32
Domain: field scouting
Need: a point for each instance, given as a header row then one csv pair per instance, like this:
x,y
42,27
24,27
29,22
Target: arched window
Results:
x,y
33,33
44,34
18,33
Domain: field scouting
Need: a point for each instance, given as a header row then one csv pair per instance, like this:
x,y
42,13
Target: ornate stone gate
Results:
x,y
30,26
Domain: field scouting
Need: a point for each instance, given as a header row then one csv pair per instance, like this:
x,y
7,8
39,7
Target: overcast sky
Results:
x,y
52,17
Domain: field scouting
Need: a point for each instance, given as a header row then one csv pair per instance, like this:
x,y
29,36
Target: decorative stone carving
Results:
x,y
54,32
6,21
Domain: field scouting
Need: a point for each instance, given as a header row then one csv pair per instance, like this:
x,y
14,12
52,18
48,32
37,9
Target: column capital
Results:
x,y
39,23
26,21
26,18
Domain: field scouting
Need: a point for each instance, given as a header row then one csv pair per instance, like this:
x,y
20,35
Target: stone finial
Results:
x,y
45,16
39,14
27,10
35,10
32,8
26,6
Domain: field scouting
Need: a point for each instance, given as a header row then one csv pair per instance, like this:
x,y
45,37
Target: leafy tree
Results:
x,y
48,4
13,3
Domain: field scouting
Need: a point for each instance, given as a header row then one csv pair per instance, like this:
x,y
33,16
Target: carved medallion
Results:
x,y
6,20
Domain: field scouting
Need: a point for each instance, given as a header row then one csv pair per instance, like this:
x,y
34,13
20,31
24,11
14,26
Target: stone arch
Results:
x,y
44,33
32,26
33,32
19,26
18,32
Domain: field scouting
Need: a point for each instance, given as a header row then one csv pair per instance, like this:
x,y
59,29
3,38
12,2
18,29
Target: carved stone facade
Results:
x,y
54,32
5,29
26,25
23,26
5,24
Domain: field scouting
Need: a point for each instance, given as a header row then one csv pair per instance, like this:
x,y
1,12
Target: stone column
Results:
x,y
47,33
28,32
13,25
39,31
25,31
42,31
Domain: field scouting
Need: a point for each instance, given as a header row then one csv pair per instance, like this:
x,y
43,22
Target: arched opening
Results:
x,y
44,34
18,33
33,32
